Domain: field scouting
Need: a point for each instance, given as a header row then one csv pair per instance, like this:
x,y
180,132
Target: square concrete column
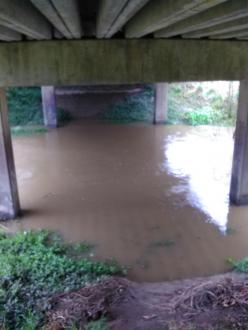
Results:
x,y
161,103
239,181
9,200
49,106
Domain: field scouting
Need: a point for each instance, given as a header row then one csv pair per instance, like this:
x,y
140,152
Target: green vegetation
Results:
x,y
240,266
189,103
24,106
193,104
35,266
134,108
25,111
98,325
27,130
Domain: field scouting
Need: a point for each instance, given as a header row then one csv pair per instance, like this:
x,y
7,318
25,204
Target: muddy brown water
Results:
x,y
155,198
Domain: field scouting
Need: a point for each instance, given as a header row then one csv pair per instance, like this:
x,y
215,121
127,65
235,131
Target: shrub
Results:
x,y
36,265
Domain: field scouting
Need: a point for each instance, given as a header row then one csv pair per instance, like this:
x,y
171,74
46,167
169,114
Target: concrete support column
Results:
x,y
161,103
9,200
239,181
49,106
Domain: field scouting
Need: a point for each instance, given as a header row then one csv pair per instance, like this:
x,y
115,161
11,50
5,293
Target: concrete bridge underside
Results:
x,y
62,42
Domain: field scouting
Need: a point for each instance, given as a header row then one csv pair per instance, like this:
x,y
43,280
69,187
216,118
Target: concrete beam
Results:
x,y
159,14
128,11
63,14
239,181
235,25
9,201
9,35
161,103
23,17
49,106
94,62
222,13
109,10
70,14
47,9
231,35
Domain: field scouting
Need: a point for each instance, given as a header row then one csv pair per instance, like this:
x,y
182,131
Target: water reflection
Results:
x,y
201,160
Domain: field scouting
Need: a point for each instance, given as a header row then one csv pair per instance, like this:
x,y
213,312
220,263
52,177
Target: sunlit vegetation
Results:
x,y
189,103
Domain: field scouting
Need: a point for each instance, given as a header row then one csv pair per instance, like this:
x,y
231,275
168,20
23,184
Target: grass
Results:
x,y
98,325
27,130
35,266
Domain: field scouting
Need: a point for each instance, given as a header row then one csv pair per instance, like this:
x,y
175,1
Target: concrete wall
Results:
x,y
88,62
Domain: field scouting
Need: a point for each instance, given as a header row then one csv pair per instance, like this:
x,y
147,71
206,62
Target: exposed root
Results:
x,y
88,304
210,295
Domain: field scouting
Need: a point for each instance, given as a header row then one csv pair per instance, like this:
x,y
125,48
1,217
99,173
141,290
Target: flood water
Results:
x,y
155,198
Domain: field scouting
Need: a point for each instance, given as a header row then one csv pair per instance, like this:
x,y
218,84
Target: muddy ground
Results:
x,y
213,303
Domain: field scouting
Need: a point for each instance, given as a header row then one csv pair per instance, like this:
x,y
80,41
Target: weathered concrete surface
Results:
x,y
7,34
132,7
23,17
222,13
229,35
231,26
9,201
92,62
53,16
158,14
161,103
239,182
49,106
108,12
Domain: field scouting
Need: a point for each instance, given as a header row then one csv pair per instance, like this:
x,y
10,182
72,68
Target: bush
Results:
x,y
35,266
24,106
134,108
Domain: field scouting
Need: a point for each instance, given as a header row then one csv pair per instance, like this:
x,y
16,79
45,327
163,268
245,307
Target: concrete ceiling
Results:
x,y
79,19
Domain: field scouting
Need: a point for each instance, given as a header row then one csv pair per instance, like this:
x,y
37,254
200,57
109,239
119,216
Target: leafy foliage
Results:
x,y
36,265
24,106
240,265
189,103
25,111
134,108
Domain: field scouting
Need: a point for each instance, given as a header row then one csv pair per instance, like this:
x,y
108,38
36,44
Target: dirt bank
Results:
x,y
213,303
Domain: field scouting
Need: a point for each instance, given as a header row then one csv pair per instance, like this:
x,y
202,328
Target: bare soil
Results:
x,y
213,303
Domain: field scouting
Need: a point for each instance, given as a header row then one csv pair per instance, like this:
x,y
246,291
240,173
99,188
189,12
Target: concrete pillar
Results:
x,y
239,181
9,200
49,106
161,103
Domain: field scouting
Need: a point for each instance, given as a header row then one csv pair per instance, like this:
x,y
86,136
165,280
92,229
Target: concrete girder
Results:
x,y
158,14
109,10
132,7
231,26
23,17
222,13
230,35
7,34
63,14
106,62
